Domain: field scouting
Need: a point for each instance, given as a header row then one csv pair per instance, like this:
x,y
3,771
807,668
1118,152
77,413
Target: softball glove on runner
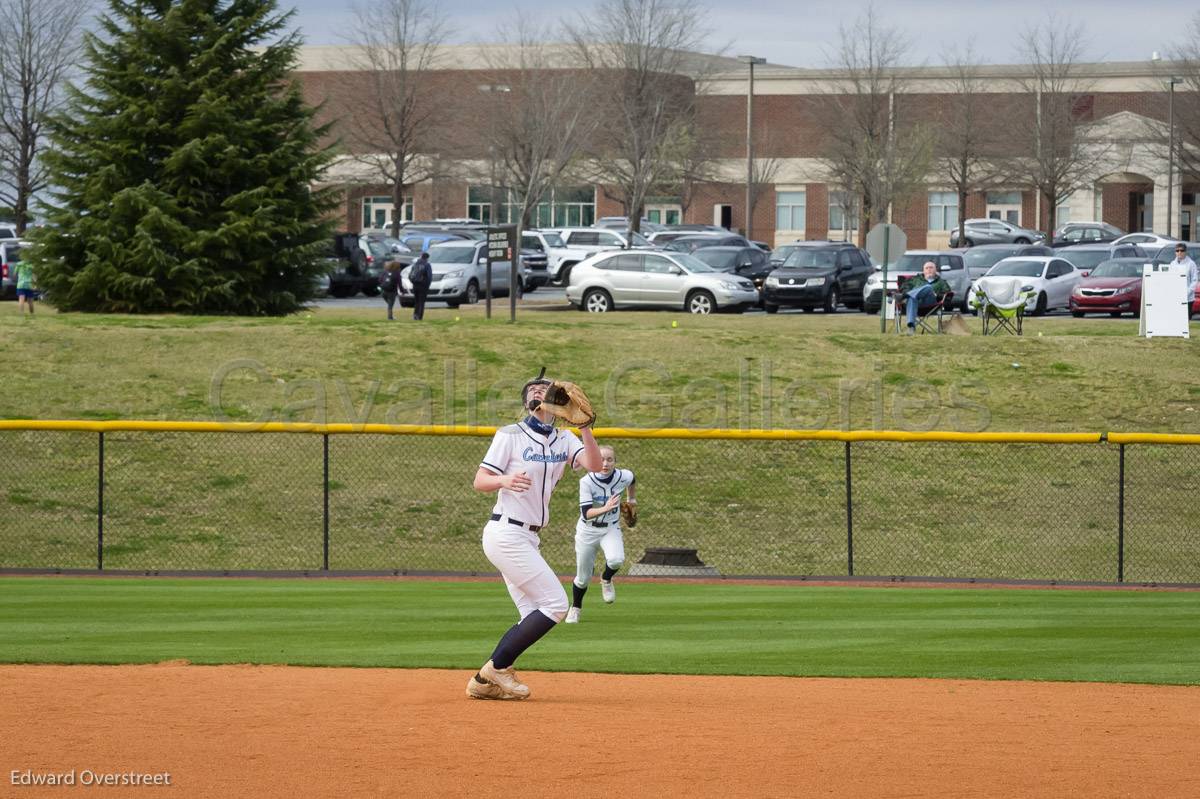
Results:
x,y
628,514
567,401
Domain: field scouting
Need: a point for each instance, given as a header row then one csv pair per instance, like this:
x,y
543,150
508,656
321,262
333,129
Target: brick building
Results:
x,y
1122,110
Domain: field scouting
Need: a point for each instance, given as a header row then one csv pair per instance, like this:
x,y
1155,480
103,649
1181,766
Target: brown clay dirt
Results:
x,y
249,731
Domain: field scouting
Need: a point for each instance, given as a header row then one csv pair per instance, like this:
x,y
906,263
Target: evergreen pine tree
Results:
x,y
184,167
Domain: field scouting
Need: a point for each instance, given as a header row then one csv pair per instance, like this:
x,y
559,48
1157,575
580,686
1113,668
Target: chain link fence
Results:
x,y
213,501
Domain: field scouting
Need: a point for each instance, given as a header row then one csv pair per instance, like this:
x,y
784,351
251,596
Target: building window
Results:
x,y
943,210
377,212
567,207
1004,205
789,210
843,211
663,210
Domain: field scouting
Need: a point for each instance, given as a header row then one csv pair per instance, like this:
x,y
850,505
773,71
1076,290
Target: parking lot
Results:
x,y
555,299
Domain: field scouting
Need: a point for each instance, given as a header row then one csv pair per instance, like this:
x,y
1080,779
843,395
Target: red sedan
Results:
x,y
1113,287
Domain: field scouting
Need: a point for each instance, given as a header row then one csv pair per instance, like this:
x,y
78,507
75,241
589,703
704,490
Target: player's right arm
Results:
x,y
488,481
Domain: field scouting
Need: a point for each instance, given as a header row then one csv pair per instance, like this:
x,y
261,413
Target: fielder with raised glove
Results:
x,y
568,402
604,497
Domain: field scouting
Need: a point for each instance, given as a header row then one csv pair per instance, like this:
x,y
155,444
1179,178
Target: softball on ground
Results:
x,y
674,324
456,319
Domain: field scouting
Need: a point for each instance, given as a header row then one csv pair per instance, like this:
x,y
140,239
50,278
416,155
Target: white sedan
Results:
x,y
656,278
1150,242
1051,279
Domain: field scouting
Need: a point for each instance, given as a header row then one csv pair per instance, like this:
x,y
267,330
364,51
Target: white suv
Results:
x,y
579,243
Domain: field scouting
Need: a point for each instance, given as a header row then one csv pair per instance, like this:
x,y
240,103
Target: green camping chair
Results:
x,y
1001,302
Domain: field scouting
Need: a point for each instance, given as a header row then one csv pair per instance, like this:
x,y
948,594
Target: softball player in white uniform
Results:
x,y
523,464
599,527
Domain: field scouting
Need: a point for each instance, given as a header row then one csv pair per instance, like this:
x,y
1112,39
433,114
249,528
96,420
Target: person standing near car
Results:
x,y
1183,259
25,291
389,284
420,275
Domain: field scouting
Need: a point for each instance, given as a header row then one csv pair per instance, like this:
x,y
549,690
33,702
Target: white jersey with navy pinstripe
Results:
x,y
595,491
518,448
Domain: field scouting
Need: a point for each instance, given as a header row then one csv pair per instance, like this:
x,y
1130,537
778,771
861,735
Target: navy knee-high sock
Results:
x,y
520,637
577,595
609,571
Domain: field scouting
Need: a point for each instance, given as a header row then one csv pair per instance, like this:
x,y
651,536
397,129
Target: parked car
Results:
x,y
460,274
696,241
1113,287
10,255
781,253
1051,280
1074,233
622,223
1147,241
1088,256
950,264
534,267
821,274
994,231
748,262
8,232
981,258
354,263
559,256
1167,254
584,242
652,278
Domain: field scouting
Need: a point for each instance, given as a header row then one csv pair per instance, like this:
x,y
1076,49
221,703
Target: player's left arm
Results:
x,y
589,457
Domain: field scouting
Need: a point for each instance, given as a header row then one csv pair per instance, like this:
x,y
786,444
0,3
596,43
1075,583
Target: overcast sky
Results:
x,y
800,34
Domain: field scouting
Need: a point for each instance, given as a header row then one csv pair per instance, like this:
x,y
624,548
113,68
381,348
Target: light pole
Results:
x,y
493,89
1172,82
750,61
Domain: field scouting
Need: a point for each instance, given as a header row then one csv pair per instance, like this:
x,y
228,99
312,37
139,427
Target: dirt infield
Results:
x,y
315,732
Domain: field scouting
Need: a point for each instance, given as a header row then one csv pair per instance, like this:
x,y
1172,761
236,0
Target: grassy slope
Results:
x,y
824,372
653,628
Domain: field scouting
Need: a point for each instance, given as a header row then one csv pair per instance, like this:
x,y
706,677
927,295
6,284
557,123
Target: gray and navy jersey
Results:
x,y
595,491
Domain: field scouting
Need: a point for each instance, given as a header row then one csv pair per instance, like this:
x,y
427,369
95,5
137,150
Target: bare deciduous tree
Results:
x,y
642,54
967,137
1057,157
539,126
867,155
395,46
39,47
1185,65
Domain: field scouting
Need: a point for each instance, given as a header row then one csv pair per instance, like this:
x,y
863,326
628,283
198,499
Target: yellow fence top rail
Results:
x,y
603,432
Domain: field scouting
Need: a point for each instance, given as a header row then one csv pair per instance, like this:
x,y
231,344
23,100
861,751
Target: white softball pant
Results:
x,y
531,582
587,541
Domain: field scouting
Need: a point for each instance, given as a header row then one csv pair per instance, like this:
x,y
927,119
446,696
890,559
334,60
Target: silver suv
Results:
x,y
994,231
460,274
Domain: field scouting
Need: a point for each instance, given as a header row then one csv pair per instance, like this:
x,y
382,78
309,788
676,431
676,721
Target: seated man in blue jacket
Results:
x,y
921,290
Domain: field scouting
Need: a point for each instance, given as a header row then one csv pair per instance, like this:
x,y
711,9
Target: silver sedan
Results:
x,y
645,278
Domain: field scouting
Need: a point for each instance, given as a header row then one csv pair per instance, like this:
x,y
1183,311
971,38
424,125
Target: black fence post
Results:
x,y
849,517
1121,516
100,507
325,491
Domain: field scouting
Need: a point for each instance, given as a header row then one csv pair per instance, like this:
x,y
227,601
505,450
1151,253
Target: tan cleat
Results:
x,y
483,690
506,679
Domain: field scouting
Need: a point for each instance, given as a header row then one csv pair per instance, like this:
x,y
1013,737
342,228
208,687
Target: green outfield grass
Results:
x,y
1106,636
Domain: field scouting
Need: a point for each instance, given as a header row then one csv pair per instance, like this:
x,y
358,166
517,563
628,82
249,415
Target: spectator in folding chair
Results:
x,y
1001,300
922,297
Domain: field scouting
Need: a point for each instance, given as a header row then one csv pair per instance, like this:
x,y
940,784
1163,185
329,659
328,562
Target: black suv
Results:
x,y
748,262
821,274
351,269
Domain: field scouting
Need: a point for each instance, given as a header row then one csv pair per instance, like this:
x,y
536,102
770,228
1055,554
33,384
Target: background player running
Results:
x,y
599,527
523,464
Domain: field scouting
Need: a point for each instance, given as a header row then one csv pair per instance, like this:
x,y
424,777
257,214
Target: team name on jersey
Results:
x,y
537,457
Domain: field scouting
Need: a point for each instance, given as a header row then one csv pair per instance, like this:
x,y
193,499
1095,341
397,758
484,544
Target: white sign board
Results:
x,y
1165,301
